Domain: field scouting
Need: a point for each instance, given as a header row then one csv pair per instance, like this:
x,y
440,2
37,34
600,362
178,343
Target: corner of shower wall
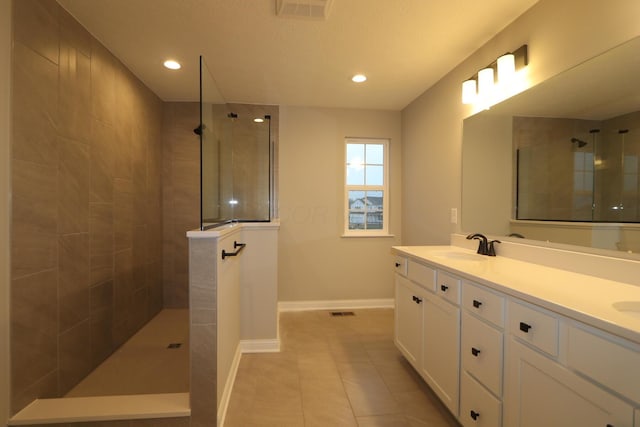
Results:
x,y
86,265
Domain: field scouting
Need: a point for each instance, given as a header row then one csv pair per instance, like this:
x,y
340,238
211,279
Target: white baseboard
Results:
x,y
260,346
335,304
228,387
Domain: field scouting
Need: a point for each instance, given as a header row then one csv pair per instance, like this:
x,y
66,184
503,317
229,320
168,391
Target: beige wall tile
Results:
x,y
101,241
74,295
34,329
34,218
35,107
73,187
74,355
102,140
74,80
203,375
102,344
39,26
122,214
86,168
103,83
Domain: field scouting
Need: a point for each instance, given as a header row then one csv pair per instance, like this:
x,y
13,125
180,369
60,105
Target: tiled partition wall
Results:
x,y
86,226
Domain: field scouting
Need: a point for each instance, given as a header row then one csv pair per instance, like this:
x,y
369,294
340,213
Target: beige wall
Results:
x,y
86,220
560,34
5,119
181,196
315,262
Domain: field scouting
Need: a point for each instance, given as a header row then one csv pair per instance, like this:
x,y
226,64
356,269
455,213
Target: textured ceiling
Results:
x,y
404,46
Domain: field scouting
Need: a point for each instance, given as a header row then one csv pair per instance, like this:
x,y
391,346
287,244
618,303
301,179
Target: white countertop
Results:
x,y
578,296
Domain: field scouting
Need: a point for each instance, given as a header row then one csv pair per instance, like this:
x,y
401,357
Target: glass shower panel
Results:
x,y
235,158
213,130
250,160
554,169
616,197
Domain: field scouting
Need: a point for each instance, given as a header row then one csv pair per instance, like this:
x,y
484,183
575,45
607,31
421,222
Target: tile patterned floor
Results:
x,y
333,372
144,364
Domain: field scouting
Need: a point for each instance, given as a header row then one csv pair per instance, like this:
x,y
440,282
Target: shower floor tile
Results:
x,y
145,364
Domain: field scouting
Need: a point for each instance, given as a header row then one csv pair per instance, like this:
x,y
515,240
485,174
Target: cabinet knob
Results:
x,y
474,415
416,299
476,303
398,264
525,327
475,351
444,288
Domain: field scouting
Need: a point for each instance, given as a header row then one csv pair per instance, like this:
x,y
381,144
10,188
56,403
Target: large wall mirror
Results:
x,y
560,162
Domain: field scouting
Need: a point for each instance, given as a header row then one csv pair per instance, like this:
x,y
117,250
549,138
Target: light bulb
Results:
x,y
469,91
506,68
485,82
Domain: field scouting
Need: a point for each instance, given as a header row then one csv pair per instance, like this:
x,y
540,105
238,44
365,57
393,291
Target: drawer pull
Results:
x,y
524,327
474,415
477,303
416,299
398,264
444,288
475,351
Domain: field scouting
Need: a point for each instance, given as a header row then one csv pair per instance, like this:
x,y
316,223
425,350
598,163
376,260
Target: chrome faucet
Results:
x,y
485,247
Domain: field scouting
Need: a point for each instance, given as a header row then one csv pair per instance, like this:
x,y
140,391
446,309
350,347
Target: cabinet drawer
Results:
x,y
478,408
483,303
481,349
400,265
422,275
609,363
449,287
535,326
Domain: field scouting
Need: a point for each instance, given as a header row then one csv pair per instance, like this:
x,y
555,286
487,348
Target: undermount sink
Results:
x,y
460,256
632,308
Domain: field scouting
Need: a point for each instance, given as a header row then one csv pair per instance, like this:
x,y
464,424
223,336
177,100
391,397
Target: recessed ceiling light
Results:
x,y
172,65
258,120
359,78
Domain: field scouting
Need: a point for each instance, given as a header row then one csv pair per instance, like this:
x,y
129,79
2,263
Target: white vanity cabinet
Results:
x,y
481,356
408,316
560,373
516,344
428,326
441,340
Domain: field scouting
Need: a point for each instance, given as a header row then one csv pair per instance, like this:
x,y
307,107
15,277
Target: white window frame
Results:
x,y
384,232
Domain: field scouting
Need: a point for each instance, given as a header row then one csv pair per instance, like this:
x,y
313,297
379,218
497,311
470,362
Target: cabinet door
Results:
x,y
540,392
408,334
441,349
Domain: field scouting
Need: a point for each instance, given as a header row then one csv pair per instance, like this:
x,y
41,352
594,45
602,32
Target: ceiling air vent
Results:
x,y
315,9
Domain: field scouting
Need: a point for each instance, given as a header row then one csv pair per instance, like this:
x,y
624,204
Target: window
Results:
x,y
366,187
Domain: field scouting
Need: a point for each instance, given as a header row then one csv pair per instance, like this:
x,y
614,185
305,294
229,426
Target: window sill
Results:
x,y
368,235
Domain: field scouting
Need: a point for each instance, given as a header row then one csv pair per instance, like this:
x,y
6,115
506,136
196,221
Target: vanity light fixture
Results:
x,y
172,65
485,82
359,78
506,68
469,91
483,87
258,120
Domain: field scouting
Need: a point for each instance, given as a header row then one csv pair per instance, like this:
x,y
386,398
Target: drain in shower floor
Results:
x,y
342,313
